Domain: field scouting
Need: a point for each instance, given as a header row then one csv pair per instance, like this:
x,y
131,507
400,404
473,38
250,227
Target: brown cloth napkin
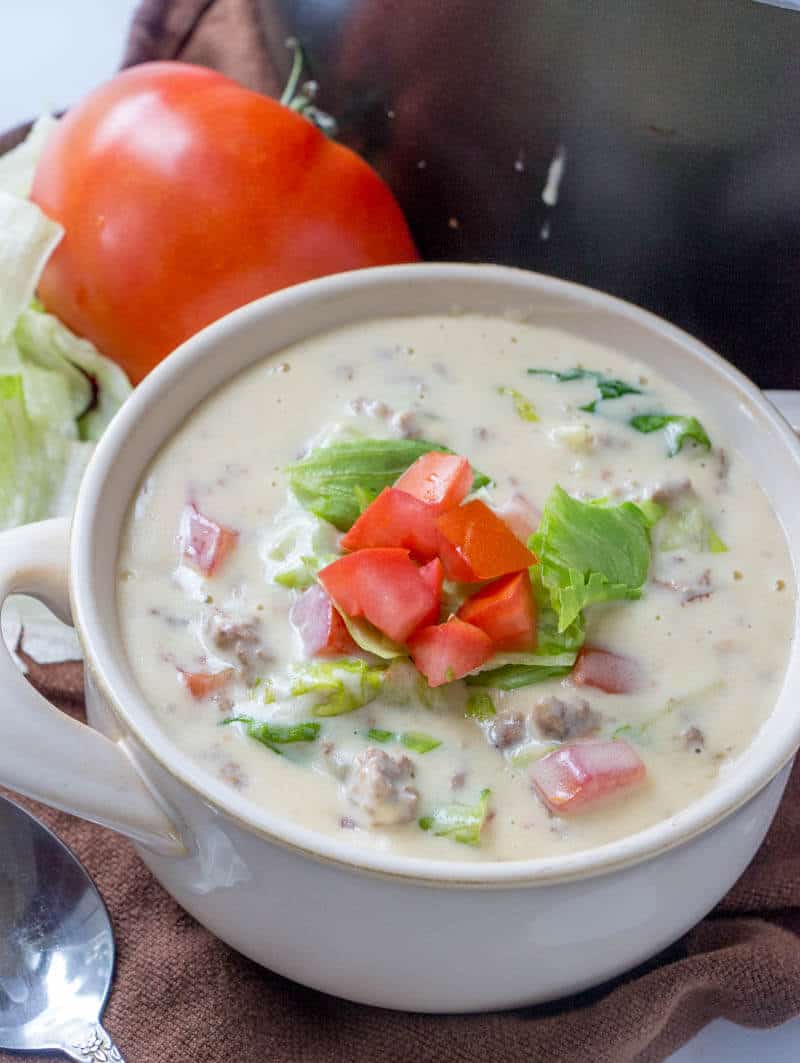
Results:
x,y
181,995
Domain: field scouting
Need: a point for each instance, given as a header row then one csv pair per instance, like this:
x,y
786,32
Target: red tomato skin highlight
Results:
x,y
606,671
319,625
395,519
577,777
184,195
475,544
441,481
203,684
506,611
205,543
444,652
384,585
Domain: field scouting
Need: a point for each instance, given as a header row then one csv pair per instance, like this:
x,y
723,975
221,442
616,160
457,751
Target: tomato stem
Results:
x,y
300,97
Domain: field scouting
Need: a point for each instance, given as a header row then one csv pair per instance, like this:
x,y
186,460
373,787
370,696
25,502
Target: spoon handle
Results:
x,y
93,1045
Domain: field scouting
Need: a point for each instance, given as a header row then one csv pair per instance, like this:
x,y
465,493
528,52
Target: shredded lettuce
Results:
x,y
369,639
480,706
609,387
416,741
274,734
339,686
58,392
677,429
462,823
525,409
297,547
590,553
686,527
335,481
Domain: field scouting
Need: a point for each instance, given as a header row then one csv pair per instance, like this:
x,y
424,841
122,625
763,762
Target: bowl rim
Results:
x,y
135,717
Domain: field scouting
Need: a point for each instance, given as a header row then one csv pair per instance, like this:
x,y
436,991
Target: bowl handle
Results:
x,y
44,753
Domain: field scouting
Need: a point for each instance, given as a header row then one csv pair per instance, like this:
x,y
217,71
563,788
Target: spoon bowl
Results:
x,y
56,945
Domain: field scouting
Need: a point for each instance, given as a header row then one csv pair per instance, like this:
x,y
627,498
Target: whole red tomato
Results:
x,y
184,195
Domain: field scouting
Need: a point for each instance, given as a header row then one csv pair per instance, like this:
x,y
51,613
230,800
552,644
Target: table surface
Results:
x,y
63,50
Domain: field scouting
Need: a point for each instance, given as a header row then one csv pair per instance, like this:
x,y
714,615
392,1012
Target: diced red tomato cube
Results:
x,y
205,543
575,778
319,625
444,652
384,585
203,684
395,519
441,481
606,671
433,574
506,611
475,544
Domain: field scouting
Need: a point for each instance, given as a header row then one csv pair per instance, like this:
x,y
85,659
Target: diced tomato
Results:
x,y
444,652
319,625
384,585
205,543
475,544
506,611
577,777
441,481
606,671
204,684
433,574
395,519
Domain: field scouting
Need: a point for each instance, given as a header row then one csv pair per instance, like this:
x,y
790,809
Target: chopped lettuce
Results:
x,y
29,238
274,734
58,393
369,639
334,481
686,527
416,741
525,409
480,706
298,546
677,429
590,553
339,686
609,387
462,823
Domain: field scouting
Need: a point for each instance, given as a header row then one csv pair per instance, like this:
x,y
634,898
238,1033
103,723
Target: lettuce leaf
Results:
x,y
590,553
29,238
524,408
18,166
686,527
609,387
274,734
335,480
480,706
416,741
340,686
677,429
462,823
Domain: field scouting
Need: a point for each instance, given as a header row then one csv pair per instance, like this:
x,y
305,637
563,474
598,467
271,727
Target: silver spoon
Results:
x,y
56,946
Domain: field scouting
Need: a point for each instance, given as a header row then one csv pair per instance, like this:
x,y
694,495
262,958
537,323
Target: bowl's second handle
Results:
x,y
43,752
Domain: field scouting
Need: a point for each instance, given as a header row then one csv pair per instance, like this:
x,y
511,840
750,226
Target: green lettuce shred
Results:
x,y
334,481
416,741
341,686
686,527
677,429
480,706
462,823
524,408
590,553
273,735
608,387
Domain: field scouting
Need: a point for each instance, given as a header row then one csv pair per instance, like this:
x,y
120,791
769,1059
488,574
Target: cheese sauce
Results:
x,y
710,634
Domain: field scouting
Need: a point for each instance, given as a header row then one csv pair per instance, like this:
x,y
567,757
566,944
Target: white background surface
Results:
x,y
56,50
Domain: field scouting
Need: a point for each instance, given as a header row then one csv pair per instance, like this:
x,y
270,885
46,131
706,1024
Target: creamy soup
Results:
x,y
646,592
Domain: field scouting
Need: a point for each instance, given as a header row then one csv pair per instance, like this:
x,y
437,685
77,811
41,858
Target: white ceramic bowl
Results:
x,y
382,929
